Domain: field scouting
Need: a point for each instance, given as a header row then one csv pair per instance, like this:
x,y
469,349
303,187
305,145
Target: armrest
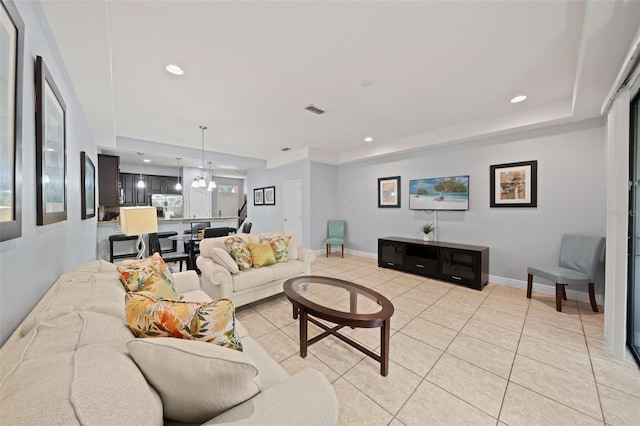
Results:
x,y
187,281
306,398
215,279
306,256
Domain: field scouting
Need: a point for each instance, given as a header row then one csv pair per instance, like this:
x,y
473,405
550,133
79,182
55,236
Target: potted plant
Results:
x,y
427,230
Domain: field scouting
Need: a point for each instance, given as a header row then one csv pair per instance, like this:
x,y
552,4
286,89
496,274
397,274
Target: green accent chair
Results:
x,y
335,234
579,258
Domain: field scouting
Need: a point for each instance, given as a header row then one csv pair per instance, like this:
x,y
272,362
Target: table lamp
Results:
x,y
139,221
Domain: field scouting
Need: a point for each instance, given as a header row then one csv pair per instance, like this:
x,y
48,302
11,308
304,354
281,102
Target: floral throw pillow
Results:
x,y
238,249
280,246
150,275
212,322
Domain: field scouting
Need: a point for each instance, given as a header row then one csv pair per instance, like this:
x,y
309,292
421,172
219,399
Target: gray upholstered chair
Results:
x,y
579,257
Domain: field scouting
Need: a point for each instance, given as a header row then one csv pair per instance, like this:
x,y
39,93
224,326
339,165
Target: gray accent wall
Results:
x,y
571,197
31,263
269,218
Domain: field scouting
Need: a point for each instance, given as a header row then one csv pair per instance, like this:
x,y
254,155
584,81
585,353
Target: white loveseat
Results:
x,y
257,283
67,364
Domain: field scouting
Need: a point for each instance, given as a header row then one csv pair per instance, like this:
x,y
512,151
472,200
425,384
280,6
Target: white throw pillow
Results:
x,y
195,380
222,257
293,248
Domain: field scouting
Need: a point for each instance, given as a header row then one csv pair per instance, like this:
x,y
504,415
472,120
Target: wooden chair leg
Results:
x,y
592,297
529,285
327,250
342,250
564,292
558,297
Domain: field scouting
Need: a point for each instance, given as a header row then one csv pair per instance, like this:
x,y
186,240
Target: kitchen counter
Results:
x,y
179,225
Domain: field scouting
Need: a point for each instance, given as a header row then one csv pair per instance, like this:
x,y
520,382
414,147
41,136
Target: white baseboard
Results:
x,y
580,296
322,252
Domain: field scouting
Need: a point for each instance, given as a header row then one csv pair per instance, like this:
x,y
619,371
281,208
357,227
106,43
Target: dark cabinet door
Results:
x,y
170,185
129,182
108,179
156,184
141,193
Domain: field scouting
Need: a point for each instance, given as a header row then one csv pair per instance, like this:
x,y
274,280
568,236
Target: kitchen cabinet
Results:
x,y
134,196
108,180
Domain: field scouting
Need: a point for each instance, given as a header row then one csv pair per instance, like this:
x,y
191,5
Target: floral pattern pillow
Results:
x,y
150,275
238,249
212,322
280,246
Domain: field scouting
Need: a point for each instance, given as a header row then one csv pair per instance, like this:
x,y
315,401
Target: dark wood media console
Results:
x,y
457,263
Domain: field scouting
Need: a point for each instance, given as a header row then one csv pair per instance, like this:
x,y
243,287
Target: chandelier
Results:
x,y
199,181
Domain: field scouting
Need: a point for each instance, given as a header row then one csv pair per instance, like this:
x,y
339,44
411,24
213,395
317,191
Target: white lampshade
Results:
x,y
138,220
212,185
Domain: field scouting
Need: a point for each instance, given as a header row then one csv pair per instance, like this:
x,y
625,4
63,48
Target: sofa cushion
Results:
x,y
280,246
287,270
252,278
210,322
261,254
222,257
71,370
240,252
150,275
271,372
293,247
195,380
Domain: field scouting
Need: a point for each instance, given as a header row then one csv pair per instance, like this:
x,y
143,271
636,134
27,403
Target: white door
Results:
x,y
292,208
199,202
227,204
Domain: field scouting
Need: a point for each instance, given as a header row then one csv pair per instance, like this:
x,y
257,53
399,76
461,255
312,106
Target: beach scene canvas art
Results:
x,y
442,193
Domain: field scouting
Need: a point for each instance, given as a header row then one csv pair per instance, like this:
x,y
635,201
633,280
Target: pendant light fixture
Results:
x,y
141,181
198,181
178,185
212,183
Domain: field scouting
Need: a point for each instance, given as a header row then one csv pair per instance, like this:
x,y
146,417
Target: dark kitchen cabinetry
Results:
x,y
457,263
134,196
108,179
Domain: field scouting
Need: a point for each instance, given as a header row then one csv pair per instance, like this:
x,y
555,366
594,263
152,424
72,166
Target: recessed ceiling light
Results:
x,y
174,69
368,139
518,98
146,160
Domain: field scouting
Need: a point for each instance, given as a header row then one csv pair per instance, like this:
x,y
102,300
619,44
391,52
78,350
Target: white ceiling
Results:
x,y
442,72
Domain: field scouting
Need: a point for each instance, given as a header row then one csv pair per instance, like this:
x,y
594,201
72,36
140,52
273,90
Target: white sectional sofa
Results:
x,y
68,363
257,283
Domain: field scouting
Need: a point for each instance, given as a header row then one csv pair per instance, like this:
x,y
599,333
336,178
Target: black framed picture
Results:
x,y
51,148
270,196
389,192
87,186
258,197
514,184
11,75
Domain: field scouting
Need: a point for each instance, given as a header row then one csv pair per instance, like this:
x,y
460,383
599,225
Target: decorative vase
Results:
x,y
426,237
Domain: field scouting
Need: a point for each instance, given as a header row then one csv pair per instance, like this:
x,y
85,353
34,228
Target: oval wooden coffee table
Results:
x,y
343,303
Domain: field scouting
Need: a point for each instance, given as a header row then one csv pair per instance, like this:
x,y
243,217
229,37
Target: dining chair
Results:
x,y
173,256
335,234
246,228
579,258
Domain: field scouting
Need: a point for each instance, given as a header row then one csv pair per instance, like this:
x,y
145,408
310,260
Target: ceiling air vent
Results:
x,y
314,109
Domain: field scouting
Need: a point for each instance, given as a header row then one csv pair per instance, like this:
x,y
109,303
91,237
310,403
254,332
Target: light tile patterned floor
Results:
x,y
460,356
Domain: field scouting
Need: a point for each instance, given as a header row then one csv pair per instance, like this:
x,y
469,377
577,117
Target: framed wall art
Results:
x,y
514,184
87,186
51,148
389,192
270,196
11,75
258,197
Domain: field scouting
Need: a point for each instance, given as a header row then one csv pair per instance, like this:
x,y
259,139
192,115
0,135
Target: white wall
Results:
x,y
571,197
31,263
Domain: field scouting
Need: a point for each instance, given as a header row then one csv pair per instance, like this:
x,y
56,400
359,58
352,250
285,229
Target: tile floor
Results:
x,y
460,356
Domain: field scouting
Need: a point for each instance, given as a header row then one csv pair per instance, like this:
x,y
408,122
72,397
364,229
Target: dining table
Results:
x,y
191,242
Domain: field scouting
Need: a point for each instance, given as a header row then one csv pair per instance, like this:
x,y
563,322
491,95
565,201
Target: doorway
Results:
x,y
292,208
227,201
